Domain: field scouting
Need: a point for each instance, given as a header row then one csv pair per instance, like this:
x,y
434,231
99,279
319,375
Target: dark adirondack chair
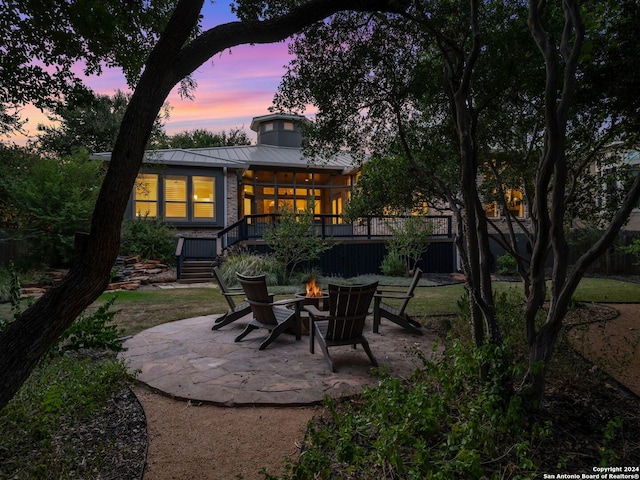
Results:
x,y
396,314
274,316
344,322
235,311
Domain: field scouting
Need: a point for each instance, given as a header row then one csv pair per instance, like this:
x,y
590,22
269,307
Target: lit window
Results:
x,y
288,125
203,197
175,197
146,196
514,201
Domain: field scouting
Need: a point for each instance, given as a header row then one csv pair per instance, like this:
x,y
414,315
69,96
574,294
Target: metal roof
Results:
x,y
243,157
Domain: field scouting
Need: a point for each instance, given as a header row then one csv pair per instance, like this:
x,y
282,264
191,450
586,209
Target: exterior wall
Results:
x,y
273,132
232,197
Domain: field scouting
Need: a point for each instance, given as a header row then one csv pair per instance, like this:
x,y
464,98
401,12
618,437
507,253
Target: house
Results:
x,y
201,191
218,197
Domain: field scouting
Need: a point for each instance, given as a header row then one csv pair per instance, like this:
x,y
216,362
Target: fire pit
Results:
x,y
312,295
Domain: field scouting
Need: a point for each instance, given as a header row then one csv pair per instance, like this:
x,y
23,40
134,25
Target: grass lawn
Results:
x,y
146,308
430,301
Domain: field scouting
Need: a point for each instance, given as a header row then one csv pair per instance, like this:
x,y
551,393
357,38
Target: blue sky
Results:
x,y
233,87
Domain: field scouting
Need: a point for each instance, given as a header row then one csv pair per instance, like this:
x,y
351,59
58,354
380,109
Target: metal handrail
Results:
x,y
329,226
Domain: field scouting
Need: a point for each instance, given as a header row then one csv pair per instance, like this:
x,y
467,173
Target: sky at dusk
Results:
x,y
233,87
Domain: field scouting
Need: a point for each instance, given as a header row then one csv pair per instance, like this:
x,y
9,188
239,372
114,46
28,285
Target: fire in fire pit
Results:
x,y
312,289
314,295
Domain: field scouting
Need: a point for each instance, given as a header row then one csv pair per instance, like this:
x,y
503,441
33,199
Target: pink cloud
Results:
x,y
233,86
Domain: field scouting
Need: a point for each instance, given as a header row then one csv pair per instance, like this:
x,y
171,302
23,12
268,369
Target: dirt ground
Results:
x,y
216,443
613,345
188,442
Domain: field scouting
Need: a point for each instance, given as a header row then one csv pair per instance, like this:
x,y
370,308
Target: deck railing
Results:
x,y
252,227
194,248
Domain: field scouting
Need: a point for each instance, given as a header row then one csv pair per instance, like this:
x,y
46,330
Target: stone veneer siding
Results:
x,y
232,197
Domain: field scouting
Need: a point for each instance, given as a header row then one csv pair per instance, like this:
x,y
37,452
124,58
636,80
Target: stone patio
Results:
x,y
187,360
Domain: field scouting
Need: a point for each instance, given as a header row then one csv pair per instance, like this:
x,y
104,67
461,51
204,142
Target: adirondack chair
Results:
x,y
396,314
235,311
273,316
344,322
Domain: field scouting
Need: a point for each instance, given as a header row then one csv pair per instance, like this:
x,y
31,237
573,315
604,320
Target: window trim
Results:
x,y
217,177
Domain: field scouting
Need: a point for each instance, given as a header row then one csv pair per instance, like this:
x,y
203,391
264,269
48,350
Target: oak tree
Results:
x,y
465,89
176,53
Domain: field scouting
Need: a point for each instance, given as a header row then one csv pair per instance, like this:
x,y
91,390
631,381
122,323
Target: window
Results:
x,y
288,125
203,197
146,196
268,127
513,201
175,197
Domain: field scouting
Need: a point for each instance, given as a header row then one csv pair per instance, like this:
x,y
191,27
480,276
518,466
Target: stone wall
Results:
x,y
232,198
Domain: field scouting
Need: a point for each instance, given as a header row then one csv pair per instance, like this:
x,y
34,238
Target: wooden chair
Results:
x,y
235,311
396,314
274,316
344,322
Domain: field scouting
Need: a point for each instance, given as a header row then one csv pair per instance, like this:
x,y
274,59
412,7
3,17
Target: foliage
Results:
x,y
506,265
409,239
441,423
10,120
459,107
394,265
251,264
43,41
89,331
15,166
92,331
293,240
150,238
52,202
608,455
89,122
61,393
385,186
200,138
633,248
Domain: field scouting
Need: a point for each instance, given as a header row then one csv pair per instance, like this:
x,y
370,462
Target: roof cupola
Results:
x,y
279,129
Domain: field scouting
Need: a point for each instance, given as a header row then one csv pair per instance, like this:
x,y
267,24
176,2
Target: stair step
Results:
x,y
204,270
194,280
196,271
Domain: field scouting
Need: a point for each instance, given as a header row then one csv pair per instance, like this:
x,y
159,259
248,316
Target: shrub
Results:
x,y
52,201
293,240
409,240
633,249
252,264
149,238
393,265
441,423
92,331
507,265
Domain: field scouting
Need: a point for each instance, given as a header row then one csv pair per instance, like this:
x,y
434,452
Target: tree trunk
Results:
x,y
540,353
25,340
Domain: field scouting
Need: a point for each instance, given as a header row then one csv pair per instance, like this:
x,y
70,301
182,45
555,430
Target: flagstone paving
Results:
x,y
187,360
